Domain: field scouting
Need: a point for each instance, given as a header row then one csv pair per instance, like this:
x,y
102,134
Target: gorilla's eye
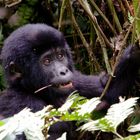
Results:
x,y
47,61
60,56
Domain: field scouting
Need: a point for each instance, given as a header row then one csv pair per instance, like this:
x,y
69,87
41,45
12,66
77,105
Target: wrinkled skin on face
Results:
x,y
55,64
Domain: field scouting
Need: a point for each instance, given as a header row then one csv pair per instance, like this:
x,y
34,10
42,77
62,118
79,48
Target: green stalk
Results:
x,y
128,7
103,16
116,63
92,58
122,9
138,22
61,13
86,7
112,9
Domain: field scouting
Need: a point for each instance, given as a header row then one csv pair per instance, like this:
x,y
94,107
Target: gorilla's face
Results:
x,y
55,66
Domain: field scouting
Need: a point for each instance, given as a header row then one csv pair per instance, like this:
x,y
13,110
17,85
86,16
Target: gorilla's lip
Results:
x,y
65,85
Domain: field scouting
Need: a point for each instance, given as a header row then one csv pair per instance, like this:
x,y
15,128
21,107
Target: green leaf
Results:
x,y
1,123
89,106
136,5
25,121
134,137
134,128
116,114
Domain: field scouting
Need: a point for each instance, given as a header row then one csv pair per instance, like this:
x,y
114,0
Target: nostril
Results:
x,y
62,73
66,70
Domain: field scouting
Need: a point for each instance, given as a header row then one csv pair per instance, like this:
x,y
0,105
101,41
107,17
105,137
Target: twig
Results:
x,y
112,9
128,7
103,16
122,9
103,46
117,61
94,20
61,13
92,58
42,88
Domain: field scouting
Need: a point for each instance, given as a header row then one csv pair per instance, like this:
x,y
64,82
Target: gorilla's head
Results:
x,y
37,55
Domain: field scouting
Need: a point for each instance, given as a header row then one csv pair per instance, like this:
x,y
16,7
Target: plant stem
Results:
x,y
92,58
86,7
103,46
103,16
112,9
118,135
128,7
61,13
116,63
122,9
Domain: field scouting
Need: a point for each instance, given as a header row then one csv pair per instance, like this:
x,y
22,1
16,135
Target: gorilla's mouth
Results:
x,y
65,85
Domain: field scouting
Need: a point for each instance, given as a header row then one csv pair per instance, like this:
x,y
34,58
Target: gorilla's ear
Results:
x,y
14,72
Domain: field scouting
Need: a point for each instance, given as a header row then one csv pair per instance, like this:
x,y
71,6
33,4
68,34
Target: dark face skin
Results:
x,y
55,64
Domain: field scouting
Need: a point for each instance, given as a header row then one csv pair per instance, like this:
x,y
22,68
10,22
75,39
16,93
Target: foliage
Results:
x,y
31,2
89,25
25,12
32,124
136,5
98,31
113,118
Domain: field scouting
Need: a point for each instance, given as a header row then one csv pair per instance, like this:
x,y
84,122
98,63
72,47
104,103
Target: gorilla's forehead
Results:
x,y
32,38
54,51
45,36
36,35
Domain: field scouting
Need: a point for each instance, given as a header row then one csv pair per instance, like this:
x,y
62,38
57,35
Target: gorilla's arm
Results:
x,y
124,77
125,74
89,85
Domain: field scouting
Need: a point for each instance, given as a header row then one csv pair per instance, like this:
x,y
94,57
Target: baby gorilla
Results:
x,y
39,71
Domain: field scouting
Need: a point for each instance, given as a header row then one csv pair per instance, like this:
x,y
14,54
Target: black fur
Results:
x,y
20,56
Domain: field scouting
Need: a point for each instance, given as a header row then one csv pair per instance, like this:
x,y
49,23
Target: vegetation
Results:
x,y
95,29
32,124
98,32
